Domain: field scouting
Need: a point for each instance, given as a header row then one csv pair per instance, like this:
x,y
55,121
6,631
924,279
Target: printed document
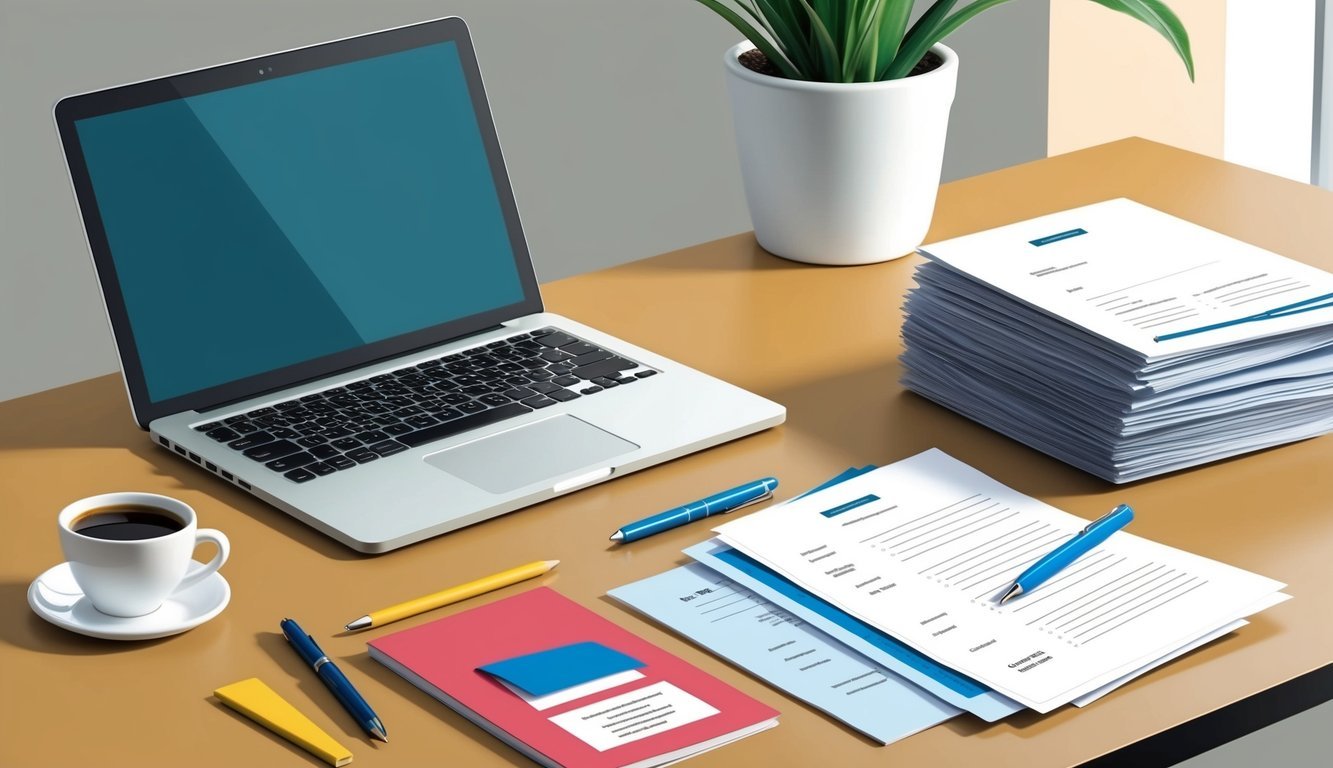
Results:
x,y
1130,273
757,635
923,549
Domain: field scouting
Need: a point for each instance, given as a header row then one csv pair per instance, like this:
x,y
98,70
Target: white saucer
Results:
x,y
57,598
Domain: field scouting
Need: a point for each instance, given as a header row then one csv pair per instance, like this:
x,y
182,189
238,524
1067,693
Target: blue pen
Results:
x,y
1083,542
334,678
719,503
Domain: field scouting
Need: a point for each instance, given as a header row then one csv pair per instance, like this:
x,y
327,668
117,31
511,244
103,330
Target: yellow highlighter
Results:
x,y
262,704
453,594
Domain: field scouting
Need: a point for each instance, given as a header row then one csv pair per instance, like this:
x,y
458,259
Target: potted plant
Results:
x,y
841,110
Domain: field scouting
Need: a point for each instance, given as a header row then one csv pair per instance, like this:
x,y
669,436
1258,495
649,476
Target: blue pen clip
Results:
x,y
1307,305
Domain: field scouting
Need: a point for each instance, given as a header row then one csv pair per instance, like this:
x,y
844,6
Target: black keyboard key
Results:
x,y
518,393
340,462
333,433
511,367
223,434
518,381
590,357
590,390
287,405
542,375
555,356
245,427
381,378
624,379
324,451
556,339
448,413
563,395
371,436
603,368
251,440
400,428
455,398
417,422
477,389
560,369
321,468
233,419
285,433
291,461
498,344
209,427
388,447
646,374
471,407
314,398
567,381
454,427
580,348
544,387
272,450
359,384
604,382
362,455
387,419
539,401
533,364
262,412
300,475
347,443
312,441
493,399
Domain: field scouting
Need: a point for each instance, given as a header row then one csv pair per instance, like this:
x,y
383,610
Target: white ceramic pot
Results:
x,y
841,173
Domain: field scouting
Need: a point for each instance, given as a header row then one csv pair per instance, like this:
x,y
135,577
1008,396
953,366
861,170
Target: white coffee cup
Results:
x,y
134,577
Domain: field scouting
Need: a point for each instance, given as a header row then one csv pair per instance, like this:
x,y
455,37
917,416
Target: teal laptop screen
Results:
x,y
277,222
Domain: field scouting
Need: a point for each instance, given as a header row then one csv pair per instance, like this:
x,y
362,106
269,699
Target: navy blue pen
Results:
x,y
1083,542
334,678
718,503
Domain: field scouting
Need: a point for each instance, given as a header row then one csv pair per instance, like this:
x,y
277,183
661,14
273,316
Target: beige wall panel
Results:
x,y
1112,77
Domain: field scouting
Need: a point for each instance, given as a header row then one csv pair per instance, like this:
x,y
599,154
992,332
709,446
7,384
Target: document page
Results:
x,y
1130,273
923,549
757,635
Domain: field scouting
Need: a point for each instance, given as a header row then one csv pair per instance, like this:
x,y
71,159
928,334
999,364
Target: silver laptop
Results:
x,y
320,292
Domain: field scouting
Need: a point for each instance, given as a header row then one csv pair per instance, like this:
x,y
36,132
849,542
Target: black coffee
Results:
x,y
126,523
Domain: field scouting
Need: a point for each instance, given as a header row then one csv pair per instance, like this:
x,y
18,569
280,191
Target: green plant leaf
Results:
x,y
753,35
789,33
828,51
1156,15
919,39
892,29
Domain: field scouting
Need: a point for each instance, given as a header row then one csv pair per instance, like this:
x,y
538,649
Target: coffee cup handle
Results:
x,y
224,549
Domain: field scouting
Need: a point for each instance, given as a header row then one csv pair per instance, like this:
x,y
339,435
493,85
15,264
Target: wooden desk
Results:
x,y
821,340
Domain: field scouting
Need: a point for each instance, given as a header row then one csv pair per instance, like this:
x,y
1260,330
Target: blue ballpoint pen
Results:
x,y
719,503
334,678
1083,542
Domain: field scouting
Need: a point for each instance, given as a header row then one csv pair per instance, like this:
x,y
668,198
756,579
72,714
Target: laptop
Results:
x,y
319,290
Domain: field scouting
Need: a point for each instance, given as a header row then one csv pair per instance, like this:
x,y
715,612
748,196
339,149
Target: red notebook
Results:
x,y
567,687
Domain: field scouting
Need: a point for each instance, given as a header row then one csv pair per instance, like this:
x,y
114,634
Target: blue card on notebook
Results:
x,y
557,669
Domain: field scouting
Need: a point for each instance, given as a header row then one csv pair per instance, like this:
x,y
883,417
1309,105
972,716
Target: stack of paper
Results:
x,y
1122,340
876,599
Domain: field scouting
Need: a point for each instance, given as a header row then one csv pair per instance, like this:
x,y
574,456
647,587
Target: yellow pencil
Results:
x,y
453,594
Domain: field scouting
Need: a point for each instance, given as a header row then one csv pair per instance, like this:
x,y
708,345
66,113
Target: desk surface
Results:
x,y
824,342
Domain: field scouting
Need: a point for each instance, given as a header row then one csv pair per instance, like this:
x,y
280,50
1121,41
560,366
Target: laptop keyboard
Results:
x,y
343,427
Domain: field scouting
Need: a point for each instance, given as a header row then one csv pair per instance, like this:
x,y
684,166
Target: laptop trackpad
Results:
x,y
531,454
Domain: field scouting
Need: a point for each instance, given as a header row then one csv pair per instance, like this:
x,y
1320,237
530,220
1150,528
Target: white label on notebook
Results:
x,y
573,692
632,716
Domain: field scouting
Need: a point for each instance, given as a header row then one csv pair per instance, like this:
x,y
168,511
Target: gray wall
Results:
x,y
612,114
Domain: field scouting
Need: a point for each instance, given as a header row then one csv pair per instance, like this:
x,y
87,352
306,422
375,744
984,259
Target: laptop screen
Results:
x,y
288,219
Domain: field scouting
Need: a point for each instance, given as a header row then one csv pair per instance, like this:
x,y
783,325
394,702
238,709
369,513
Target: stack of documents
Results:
x,y
1123,341
875,599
